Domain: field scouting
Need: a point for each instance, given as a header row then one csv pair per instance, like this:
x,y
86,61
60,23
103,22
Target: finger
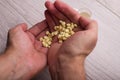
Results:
x,y
56,20
49,20
88,24
38,28
68,11
93,26
84,22
52,9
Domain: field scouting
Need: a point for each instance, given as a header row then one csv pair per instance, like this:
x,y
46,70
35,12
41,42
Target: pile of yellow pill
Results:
x,y
62,31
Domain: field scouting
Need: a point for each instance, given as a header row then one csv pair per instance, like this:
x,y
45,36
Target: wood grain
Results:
x,y
112,5
104,62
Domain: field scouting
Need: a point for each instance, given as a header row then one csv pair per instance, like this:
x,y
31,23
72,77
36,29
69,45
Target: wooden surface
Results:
x,y
104,62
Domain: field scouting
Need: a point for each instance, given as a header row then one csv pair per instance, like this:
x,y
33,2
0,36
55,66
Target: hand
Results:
x,y
25,48
77,47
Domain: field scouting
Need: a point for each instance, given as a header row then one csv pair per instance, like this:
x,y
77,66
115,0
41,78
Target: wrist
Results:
x,y
69,68
73,69
20,68
66,58
77,61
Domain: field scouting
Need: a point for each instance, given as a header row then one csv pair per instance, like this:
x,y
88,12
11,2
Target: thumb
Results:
x,y
88,24
18,28
21,26
13,32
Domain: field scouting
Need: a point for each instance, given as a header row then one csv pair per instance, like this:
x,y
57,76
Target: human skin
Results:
x,y
66,60
24,56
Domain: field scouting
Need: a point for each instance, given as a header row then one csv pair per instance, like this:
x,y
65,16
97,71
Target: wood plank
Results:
x,y
102,64
112,5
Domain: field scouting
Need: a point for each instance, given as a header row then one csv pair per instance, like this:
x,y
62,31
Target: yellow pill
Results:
x,y
60,41
61,22
72,32
52,34
59,36
60,27
68,25
49,42
50,39
75,25
45,37
55,33
67,30
64,38
47,32
41,39
55,28
67,35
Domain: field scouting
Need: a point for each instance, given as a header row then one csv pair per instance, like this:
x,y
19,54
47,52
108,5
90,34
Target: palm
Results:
x,y
27,44
34,34
53,16
36,42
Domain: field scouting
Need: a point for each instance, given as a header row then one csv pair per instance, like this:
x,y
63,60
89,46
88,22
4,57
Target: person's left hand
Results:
x,y
25,48
68,58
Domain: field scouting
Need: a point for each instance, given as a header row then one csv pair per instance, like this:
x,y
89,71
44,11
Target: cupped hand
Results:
x,y
24,47
79,44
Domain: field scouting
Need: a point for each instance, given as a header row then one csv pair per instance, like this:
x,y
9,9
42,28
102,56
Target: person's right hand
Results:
x,y
77,47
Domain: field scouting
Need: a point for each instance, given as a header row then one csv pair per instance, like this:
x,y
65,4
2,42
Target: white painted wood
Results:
x,y
103,63
112,5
